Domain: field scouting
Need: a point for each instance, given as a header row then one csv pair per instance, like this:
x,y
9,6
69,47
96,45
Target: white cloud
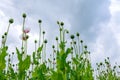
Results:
x,y
95,20
115,6
108,41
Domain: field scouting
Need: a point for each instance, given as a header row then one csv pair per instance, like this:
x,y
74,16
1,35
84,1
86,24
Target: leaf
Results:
x,y
24,65
62,45
68,51
19,55
13,75
40,49
34,58
3,54
40,72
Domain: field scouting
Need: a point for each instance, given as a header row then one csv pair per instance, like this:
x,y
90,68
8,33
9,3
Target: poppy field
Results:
x,y
70,58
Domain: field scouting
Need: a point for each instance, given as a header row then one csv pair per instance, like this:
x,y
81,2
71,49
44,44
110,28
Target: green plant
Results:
x,y
69,60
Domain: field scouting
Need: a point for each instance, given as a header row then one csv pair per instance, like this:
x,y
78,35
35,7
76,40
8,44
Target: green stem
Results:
x,y
53,59
57,45
79,46
7,34
39,34
45,52
23,32
82,47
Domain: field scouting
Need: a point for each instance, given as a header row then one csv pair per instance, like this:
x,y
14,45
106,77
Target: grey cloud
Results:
x,y
89,15
84,16
117,18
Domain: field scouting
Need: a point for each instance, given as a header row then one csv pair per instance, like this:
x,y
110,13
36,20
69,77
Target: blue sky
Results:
x,y
97,21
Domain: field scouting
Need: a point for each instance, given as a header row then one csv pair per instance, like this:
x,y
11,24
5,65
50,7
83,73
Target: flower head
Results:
x,y
26,30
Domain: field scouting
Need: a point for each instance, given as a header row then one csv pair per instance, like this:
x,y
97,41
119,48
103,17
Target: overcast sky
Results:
x,y
97,21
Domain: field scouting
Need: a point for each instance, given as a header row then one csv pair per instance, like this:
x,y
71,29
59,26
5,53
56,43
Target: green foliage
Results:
x,y
39,72
22,65
3,54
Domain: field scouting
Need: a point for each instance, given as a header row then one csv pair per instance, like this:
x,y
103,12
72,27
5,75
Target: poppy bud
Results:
x,y
24,15
77,34
53,46
85,46
58,22
56,38
39,21
5,33
45,41
35,41
62,24
72,36
43,32
11,21
3,36
81,41
74,42
67,31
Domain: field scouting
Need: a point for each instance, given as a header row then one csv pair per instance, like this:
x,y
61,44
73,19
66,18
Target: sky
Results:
x,y
97,21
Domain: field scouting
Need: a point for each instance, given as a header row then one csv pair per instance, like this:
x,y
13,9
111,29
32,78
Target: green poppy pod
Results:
x,y
39,21
24,15
72,37
11,21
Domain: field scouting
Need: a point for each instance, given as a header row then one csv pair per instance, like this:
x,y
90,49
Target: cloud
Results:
x,y
108,42
88,17
93,19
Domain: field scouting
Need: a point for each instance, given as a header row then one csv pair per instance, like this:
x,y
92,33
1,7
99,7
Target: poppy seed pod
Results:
x,y
3,36
85,46
9,55
74,42
71,48
72,36
9,60
39,21
45,41
62,24
12,53
53,46
35,41
77,34
29,71
67,31
60,29
43,32
101,63
24,15
56,38
114,67
5,33
27,76
27,37
81,41
13,65
11,21
58,22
